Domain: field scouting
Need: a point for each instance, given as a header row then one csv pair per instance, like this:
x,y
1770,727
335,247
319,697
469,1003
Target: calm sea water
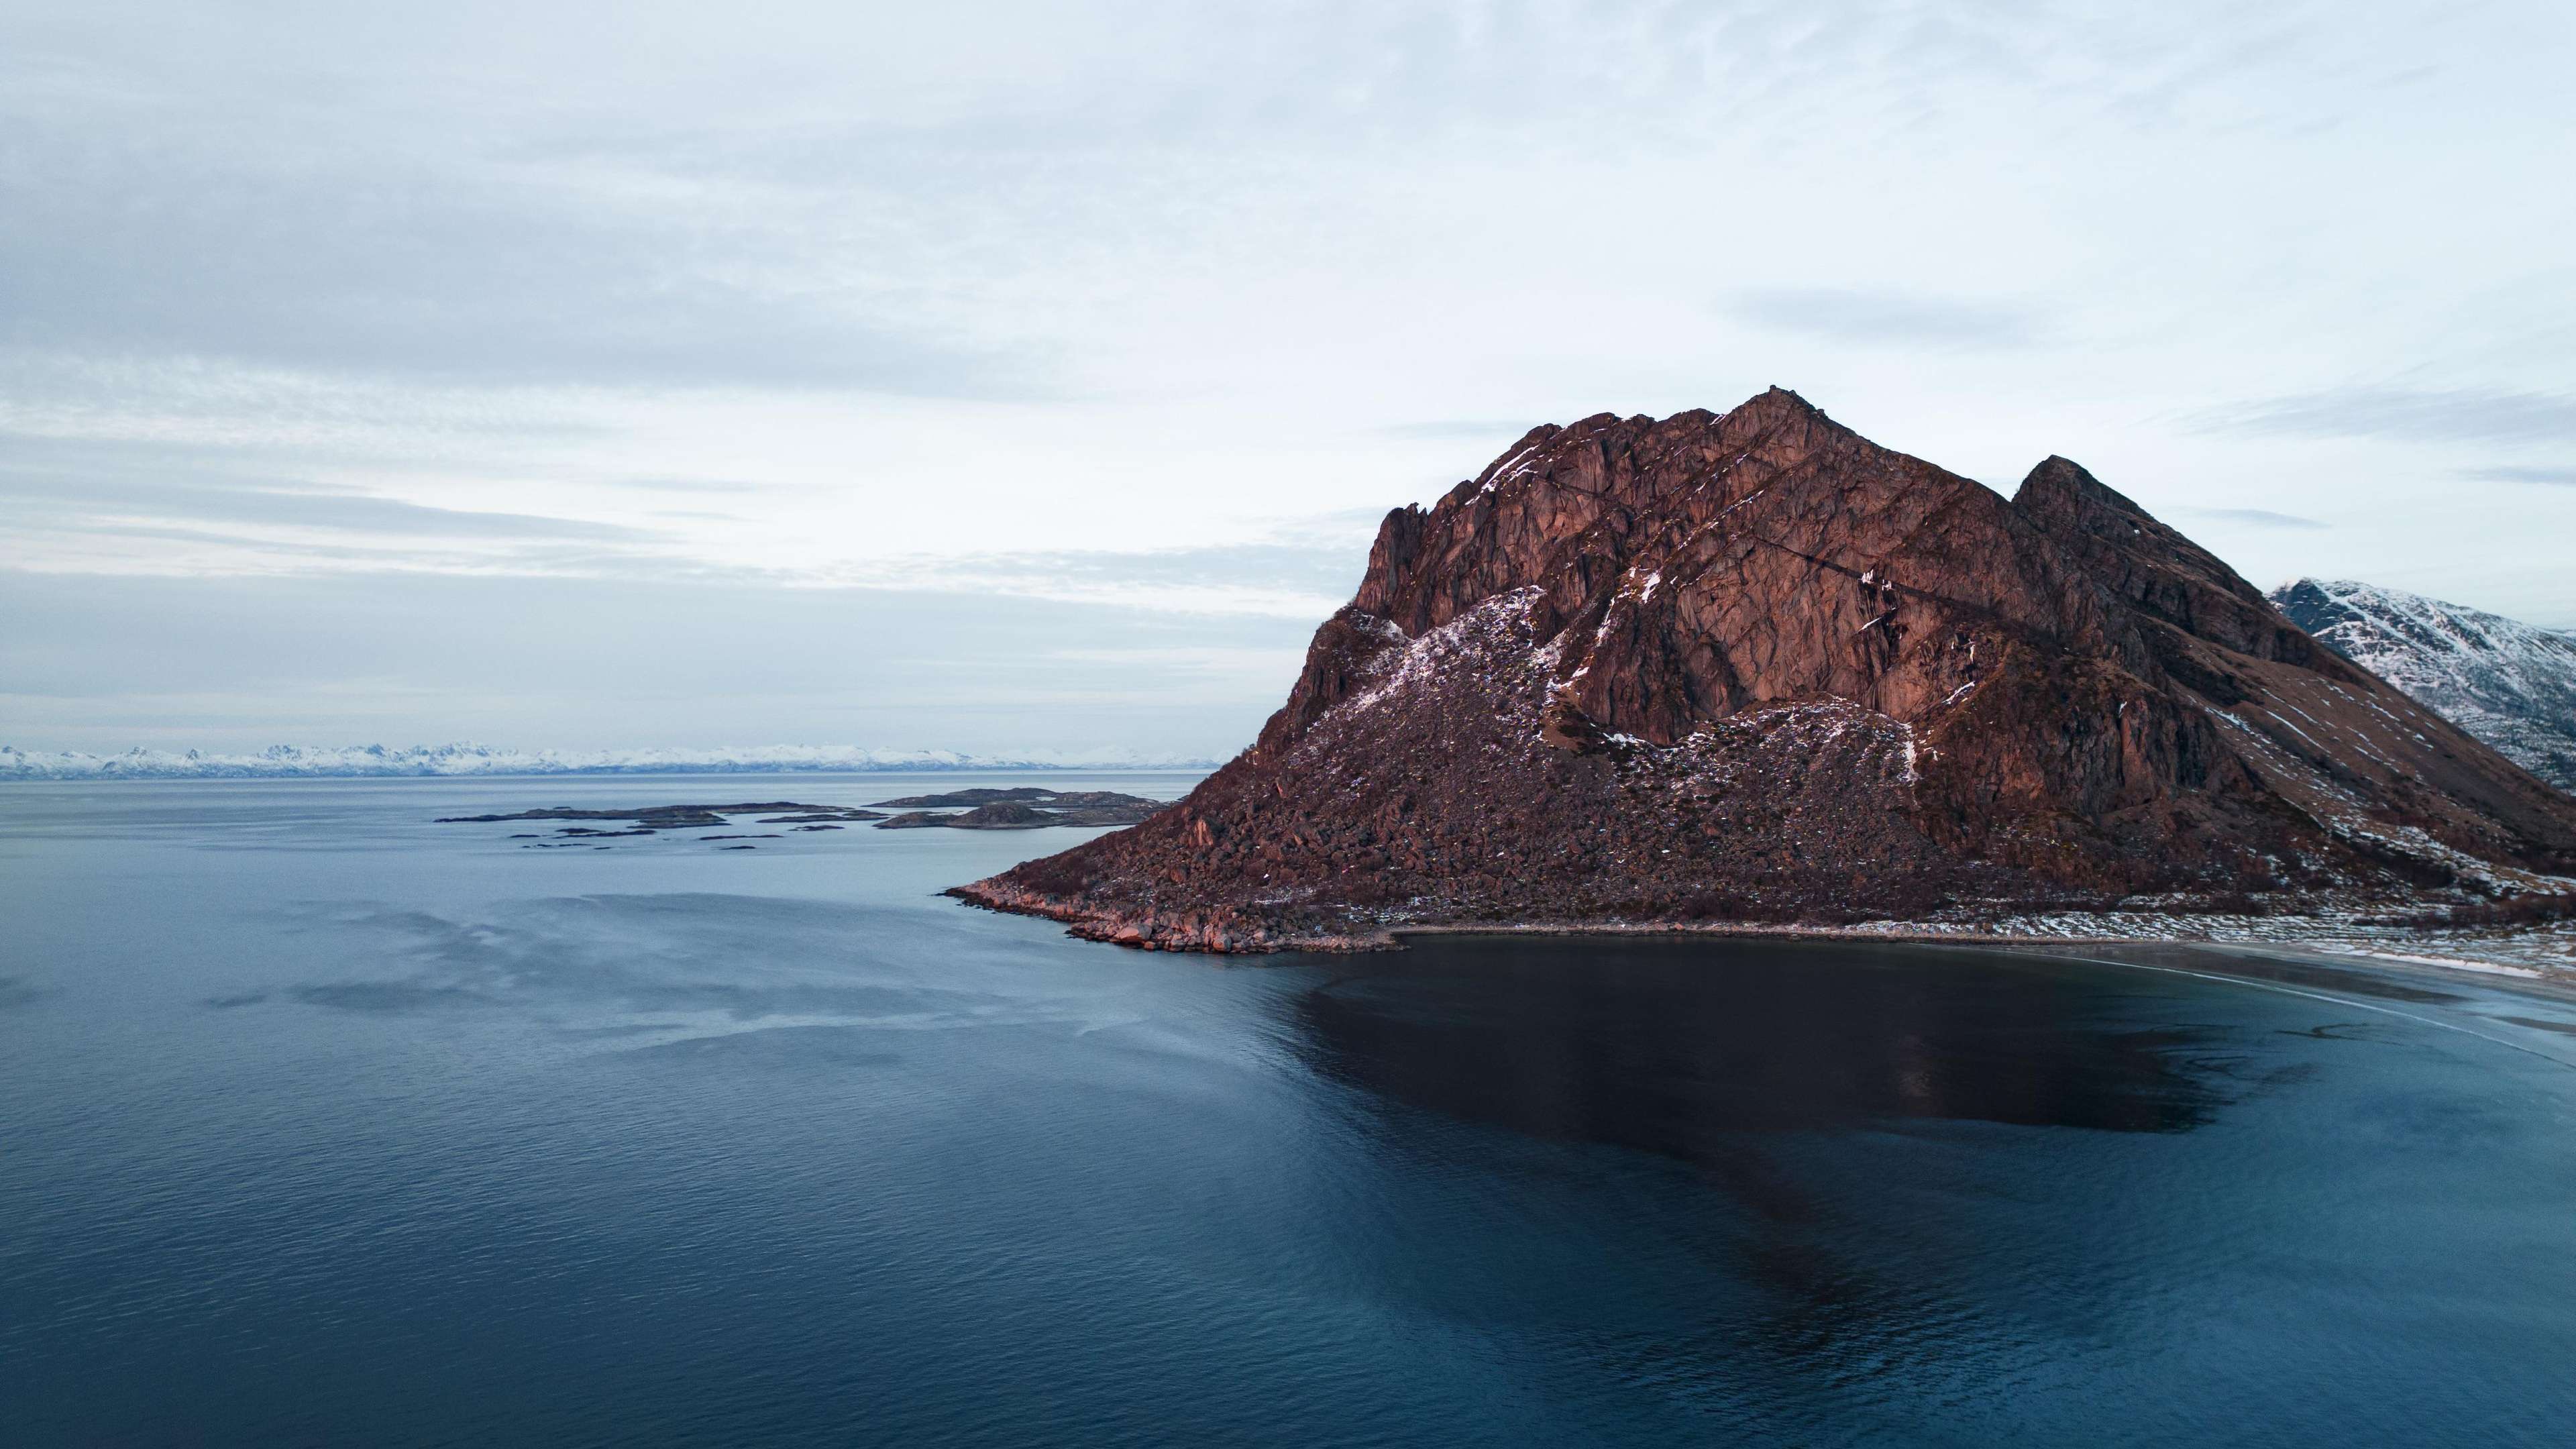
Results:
x,y
320,1123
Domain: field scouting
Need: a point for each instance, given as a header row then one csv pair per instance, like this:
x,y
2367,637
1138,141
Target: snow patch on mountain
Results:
x,y
2511,684
380,761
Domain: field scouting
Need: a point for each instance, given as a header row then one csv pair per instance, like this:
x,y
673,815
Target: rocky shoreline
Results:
x,y
2541,956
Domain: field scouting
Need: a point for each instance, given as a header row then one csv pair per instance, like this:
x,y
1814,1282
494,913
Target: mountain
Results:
x,y
1753,666
377,761
2508,683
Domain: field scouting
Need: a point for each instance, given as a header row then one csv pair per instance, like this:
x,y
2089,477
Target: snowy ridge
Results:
x,y
379,761
1483,630
2510,684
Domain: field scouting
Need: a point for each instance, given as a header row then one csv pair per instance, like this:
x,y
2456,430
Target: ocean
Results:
x,y
321,1123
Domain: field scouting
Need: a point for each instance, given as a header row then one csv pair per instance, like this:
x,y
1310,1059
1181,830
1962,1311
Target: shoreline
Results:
x,y
2550,980
2538,961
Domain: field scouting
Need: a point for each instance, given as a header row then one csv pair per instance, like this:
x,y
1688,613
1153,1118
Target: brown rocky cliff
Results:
x,y
1753,664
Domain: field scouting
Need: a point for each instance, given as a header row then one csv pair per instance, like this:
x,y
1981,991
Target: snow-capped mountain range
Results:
x,y
2511,684
379,761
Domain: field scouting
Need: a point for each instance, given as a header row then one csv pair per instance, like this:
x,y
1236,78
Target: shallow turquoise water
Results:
x,y
322,1123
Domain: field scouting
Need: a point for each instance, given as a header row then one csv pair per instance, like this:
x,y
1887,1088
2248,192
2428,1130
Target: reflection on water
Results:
x,y
1677,1049
1708,1055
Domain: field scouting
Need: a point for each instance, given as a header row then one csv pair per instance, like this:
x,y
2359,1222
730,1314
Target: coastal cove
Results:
x,y
345,1125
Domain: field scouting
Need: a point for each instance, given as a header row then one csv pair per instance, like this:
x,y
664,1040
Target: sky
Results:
x,y
1019,376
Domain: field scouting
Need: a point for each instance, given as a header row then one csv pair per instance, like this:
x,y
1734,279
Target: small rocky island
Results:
x,y
1022,808
652,818
1017,808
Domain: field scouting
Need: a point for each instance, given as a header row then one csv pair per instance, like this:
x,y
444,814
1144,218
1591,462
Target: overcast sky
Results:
x,y
1019,376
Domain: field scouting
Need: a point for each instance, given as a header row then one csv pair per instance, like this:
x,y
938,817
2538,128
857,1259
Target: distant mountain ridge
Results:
x,y
287,762
2511,684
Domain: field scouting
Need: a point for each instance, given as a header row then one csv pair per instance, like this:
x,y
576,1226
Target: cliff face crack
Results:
x,y
1584,688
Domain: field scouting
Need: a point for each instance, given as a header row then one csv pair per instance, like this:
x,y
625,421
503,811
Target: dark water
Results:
x,y
322,1124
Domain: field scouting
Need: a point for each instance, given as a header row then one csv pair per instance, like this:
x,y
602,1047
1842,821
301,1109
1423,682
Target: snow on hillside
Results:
x,y
2510,684
368,761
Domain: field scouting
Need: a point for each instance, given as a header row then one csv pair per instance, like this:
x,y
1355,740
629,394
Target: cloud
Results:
x,y
692,485
2457,415
1886,318
161,207
143,507
340,288
2259,517
107,662
1473,429
104,547
1256,669
191,412
2514,474
1288,578
438,278
100,507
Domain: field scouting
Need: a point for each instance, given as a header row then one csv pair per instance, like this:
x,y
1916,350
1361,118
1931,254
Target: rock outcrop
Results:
x,y
1752,666
1022,809
650,818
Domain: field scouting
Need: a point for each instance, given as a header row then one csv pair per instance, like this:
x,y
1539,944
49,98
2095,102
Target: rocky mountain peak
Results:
x,y
2154,569
2060,489
1753,657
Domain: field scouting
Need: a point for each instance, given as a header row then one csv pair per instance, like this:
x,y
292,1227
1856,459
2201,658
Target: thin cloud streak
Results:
x,y
1299,580
2259,517
2510,473
107,506
2492,416
1462,429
